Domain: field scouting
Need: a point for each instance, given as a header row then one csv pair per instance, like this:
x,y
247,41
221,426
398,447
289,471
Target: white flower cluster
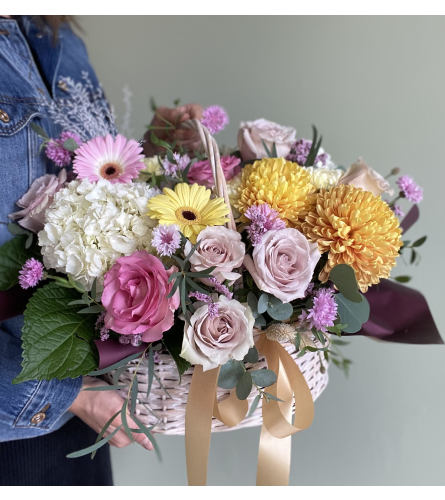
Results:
x,y
324,178
90,225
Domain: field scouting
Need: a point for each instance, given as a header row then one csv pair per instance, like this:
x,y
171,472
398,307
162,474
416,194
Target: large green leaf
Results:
x,y
12,257
352,314
343,277
56,340
173,342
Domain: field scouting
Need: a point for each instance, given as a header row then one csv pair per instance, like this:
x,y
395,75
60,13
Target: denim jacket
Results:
x,y
32,68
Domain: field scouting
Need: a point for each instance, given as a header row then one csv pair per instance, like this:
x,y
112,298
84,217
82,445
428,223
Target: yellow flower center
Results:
x,y
188,215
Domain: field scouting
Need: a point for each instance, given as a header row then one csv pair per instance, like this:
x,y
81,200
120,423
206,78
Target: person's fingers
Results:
x,y
120,439
139,437
194,111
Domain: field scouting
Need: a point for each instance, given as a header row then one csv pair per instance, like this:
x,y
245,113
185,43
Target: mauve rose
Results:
x,y
362,176
212,341
251,136
201,171
135,297
220,247
37,199
283,263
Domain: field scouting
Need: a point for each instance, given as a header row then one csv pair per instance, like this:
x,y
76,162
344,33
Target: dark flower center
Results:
x,y
188,215
110,171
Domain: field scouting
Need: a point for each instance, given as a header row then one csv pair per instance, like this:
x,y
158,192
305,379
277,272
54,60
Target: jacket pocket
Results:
x,y
16,113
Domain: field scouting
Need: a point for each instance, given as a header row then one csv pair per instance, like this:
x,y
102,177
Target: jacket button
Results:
x,y
4,117
38,417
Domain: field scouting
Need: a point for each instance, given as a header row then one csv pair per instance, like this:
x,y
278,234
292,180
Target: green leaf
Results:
x,y
263,303
104,388
403,279
251,356
150,437
278,310
177,282
260,321
339,342
114,366
254,405
94,309
343,277
271,396
352,314
150,370
413,256
39,130
419,242
104,429
230,373
172,341
12,257
244,386
70,145
95,446
252,302
263,378
266,149
133,396
57,342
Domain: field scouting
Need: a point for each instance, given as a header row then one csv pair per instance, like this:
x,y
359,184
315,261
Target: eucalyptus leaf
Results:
x,y
254,405
114,366
278,310
263,378
252,302
104,388
260,321
172,341
403,279
244,386
230,373
251,356
263,303
352,314
343,277
419,242
95,446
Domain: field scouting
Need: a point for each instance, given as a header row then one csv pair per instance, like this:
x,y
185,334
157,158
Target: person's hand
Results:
x,y
95,408
167,123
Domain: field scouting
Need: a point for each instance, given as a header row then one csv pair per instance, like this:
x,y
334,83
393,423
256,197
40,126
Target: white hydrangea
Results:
x,y
90,225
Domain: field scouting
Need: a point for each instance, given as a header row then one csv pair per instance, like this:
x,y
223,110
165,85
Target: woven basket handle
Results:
x,y
212,151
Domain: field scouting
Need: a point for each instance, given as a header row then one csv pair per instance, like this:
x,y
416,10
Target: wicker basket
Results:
x,y
168,413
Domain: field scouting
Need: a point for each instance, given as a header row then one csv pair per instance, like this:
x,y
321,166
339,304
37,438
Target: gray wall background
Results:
x,y
374,86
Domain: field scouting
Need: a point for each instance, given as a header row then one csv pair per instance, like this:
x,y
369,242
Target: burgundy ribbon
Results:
x,y
13,302
111,351
399,314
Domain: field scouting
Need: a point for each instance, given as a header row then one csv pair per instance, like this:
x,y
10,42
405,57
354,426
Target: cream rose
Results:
x,y
362,176
220,247
283,263
251,136
212,341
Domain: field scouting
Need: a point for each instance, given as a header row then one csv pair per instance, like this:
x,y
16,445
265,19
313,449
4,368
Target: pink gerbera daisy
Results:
x,y
116,159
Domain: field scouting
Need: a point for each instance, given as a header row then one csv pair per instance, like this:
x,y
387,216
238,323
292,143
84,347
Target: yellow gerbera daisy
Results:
x,y
189,207
283,185
356,228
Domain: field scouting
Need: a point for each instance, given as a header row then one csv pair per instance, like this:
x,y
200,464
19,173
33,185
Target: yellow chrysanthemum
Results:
x,y
284,185
189,207
356,228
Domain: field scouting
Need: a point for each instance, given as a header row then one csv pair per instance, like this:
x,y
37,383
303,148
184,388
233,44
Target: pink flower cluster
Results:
x,y
409,189
30,274
323,312
201,171
56,151
263,218
215,118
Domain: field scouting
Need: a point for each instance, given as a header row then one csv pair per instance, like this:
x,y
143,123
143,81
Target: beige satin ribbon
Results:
x,y
274,452
275,440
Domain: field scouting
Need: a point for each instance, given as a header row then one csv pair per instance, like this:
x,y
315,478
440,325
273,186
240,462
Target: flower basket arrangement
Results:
x,y
211,290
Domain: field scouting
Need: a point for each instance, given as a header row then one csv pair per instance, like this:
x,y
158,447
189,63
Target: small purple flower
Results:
x,y
323,312
136,339
55,151
31,273
166,239
203,297
409,189
124,339
179,164
263,218
398,211
220,288
300,151
104,333
215,118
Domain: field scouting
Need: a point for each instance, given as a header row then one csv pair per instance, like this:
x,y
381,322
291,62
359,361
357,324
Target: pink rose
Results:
x,y
38,198
201,171
135,297
212,341
220,247
362,176
283,263
251,136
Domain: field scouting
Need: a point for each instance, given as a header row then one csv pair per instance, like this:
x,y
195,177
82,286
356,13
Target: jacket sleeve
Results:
x,y
34,407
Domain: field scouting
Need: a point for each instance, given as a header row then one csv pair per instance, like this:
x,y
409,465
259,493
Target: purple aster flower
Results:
x,y
398,211
166,239
31,273
220,288
323,312
263,218
203,297
410,189
215,118
55,151
104,333
300,151
124,339
179,164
